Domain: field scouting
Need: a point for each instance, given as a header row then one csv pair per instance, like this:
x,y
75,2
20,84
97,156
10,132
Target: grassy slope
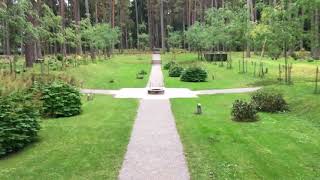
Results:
x,y
89,146
121,68
223,78
279,146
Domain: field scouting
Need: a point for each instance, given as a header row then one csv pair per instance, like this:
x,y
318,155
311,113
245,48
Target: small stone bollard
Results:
x,y
199,109
89,97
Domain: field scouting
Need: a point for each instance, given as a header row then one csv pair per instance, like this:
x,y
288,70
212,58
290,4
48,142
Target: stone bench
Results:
x,y
218,56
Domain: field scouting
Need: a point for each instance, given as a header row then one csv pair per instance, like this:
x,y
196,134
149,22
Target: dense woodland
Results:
x,y
39,27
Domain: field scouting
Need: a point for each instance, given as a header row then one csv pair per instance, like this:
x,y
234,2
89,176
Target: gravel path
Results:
x,y
227,91
154,150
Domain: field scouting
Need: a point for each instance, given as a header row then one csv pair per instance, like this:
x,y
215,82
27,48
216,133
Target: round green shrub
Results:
x,y
59,57
243,111
60,100
169,64
143,72
269,100
19,123
194,74
175,71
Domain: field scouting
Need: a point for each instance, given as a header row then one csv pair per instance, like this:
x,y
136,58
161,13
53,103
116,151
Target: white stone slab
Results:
x,y
142,93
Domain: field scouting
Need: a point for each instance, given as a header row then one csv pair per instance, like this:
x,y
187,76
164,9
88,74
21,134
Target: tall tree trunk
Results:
x,y
38,5
315,40
76,14
150,23
113,13
249,7
62,14
162,26
96,12
137,23
29,53
30,43
7,39
302,28
6,32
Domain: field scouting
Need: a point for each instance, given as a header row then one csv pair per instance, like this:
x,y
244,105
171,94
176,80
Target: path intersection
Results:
x,y
155,150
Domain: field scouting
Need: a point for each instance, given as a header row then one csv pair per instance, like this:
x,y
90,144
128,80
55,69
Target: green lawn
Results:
x,y
302,72
278,146
89,146
122,69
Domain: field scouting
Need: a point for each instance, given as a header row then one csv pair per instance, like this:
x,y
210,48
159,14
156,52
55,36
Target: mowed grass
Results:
x,y
116,73
222,78
278,146
89,146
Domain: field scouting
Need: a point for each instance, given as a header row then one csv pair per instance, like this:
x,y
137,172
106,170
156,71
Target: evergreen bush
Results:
x,y
60,100
194,74
168,65
59,57
175,71
269,100
243,111
19,123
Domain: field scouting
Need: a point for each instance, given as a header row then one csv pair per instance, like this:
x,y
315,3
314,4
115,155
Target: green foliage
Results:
x,y
300,55
175,71
175,38
60,100
243,111
50,26
19,124
143,72
59,57
278,26
143,37
194,74
70,35
143,41
17,17
269,100
99,36
104,36
274,51
197,37
169,64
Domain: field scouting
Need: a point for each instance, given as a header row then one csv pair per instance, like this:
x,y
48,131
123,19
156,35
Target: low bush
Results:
x,y
175,71
301,54
60,100
19,123
194,74
269,100
243,111
143,72
59,57
54,65
169,64
274,52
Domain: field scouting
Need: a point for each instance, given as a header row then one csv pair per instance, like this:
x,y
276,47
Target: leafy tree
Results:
x,y
197,38
50,28
174,40
104,36
143,37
